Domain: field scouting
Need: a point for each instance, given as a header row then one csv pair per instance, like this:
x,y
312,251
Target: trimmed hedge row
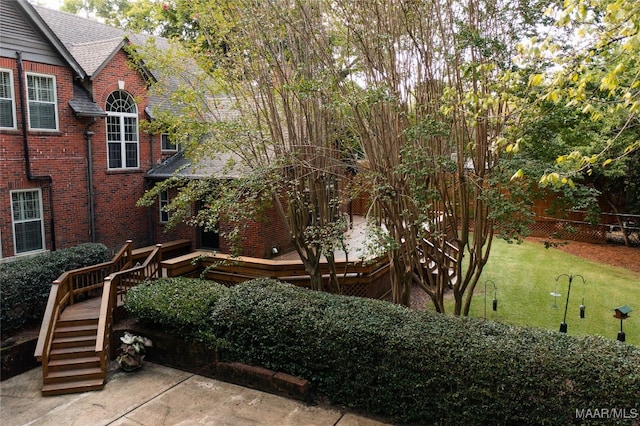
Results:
x,y
25,283
412,366
181,306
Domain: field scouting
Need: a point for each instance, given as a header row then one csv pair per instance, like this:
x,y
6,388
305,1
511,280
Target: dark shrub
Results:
x,y
180,306
427,368
25,283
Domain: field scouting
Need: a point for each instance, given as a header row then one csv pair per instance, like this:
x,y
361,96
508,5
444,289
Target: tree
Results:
x,y
595,69
434,105
282,132
423,88
113,12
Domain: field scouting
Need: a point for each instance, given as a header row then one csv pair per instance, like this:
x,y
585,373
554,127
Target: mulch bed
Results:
x,y
609,254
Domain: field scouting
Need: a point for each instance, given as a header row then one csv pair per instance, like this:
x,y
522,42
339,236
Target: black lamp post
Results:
x,y
563,325
622,313
495,297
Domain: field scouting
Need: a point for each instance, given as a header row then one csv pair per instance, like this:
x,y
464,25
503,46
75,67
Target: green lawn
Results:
x,y
525,275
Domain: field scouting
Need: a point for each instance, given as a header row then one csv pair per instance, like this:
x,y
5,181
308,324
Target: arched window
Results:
x,y
122,131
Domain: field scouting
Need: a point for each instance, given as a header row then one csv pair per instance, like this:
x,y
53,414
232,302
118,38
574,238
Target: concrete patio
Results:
x,y
158,395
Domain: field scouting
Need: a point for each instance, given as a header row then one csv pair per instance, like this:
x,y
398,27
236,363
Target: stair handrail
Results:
x,y
62,294
112,284
105,322
444,253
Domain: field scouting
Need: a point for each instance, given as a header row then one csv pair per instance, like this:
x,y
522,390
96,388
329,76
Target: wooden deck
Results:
x,y
88,309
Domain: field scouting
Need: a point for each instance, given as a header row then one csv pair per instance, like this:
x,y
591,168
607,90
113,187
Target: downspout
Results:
x,y
25,141
151,231
92,221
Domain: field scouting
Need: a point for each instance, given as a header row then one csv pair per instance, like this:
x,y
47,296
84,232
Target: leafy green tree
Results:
x,y
594,68
426,105
113,12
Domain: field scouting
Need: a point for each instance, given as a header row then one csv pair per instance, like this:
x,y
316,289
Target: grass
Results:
x,y
525,275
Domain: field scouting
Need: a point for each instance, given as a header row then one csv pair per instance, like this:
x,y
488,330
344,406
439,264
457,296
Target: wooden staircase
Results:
x,y
440,258
75,336
73,365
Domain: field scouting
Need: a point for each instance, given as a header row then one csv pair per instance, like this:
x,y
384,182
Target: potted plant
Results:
x,y
132,351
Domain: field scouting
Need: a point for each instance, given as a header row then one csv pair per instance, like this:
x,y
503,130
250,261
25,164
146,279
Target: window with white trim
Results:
x,y
43,104
122,131
167,143
28,223
163,200
7,100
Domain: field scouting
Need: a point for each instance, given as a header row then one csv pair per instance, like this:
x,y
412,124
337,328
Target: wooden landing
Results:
x,y
88,309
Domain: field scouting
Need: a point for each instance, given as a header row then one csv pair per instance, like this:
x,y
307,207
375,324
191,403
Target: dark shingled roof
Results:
x,y
90,42
179,165
83,105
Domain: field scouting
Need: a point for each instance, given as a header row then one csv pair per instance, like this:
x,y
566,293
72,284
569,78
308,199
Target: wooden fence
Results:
x,y
572,230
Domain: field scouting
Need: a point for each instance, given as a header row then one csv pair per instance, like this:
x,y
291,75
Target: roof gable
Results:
x,y
19,17
93,44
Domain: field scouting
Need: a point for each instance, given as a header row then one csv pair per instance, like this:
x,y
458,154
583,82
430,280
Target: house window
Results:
x,y
7,103
41,95
167,144
28,224
164,202
122,131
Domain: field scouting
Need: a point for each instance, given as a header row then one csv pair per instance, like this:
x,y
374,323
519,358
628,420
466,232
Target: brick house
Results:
x,y
73,157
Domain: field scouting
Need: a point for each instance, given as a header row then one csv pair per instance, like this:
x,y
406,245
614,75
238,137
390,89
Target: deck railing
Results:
x,y
440,258
68,288
115,286
356,278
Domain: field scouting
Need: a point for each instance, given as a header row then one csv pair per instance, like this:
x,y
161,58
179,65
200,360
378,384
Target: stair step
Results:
x,y
65,323
64,330
72,363
75,352
72,387
73,341
80,374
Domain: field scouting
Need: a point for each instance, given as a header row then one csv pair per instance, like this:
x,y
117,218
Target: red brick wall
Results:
x,y
61,154
116,191
258,236
274,234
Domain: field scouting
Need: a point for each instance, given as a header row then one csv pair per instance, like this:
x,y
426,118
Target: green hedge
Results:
x,y
25,283
412,366
181,306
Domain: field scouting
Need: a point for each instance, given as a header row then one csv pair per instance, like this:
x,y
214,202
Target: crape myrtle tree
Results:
x,y
431,119
424,87
264,104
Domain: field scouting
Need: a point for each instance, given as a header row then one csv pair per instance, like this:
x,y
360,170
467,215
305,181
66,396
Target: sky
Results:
x,y
51,4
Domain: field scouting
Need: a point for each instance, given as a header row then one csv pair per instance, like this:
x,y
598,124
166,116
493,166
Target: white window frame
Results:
x,y
163,202
40,219
122,117
12,99
166,145
30,101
